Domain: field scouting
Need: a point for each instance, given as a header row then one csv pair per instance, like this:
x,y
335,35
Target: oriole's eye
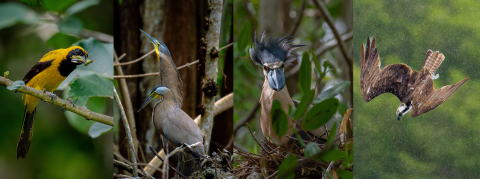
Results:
x,y
265,68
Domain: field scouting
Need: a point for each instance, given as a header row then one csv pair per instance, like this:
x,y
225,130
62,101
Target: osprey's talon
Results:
x,y
53,96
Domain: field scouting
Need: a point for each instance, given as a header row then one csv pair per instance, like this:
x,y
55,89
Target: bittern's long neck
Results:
x,y
169,77
266,99
167,104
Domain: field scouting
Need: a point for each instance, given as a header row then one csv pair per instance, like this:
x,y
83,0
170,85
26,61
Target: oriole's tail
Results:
x,y
26,134
432,61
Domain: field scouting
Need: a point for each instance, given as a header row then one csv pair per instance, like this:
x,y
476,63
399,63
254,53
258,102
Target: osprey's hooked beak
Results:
x,y
78,59
276,79
152,96
160,48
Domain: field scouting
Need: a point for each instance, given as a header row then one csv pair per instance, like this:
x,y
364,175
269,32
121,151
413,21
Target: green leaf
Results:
x,y
331,136
56,5
287,168
15,85
80,6
333,155
332,92
300,140
279,118
32,2
244,36
12,13
305,73
344,174
304,104
91,86
311,149
101,53
61,40
98,129
320,114
70,25
316,62
78,122
325,65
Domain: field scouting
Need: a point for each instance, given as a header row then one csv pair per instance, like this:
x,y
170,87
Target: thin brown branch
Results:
x,y
120,58
127,131
276,162
126,167
332,43
82,111
298,20
124,91
156,154
152,74
328,18
136,60
226,46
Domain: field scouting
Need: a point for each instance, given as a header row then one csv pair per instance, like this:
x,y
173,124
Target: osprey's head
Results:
x,y
402,109
273,56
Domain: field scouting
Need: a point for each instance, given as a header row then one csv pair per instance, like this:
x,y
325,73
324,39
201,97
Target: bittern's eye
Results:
x,y
265,68
283,65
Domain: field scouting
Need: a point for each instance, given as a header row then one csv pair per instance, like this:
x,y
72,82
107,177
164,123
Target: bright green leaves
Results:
x,y
91,86
304,104
332,92
57,6
244,36
32,2
316,62
320,114
305,73
279,118
287,167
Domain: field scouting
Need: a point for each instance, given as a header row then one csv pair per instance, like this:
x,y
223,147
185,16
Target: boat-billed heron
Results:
x,y
169,119
273,55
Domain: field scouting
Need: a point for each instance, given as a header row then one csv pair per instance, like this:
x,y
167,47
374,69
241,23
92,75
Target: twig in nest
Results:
x,y
153,150
276,162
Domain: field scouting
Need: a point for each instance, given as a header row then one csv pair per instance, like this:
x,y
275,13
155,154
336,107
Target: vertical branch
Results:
x,y
122,83
127,131
211,70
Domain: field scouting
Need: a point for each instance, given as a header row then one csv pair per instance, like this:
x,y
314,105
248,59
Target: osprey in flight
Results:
x,y
414,89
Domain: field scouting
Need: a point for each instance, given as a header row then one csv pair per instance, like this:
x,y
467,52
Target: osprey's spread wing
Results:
x,y
375,81
427,98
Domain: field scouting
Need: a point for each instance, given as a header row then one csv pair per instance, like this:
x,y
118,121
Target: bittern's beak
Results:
x,y
275,78
399,116
152,96
159,47
78,59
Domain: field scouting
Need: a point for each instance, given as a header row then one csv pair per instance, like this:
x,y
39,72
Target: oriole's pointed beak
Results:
x,y
152,96
276,79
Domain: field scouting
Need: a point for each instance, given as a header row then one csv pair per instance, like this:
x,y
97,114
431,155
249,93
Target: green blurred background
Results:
x,y
444,142
60,148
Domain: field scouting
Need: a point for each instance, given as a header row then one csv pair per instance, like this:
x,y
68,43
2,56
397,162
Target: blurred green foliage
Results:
x,y
444,142
58,150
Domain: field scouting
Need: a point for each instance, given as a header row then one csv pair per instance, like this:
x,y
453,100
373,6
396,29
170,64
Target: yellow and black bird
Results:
x,y
173,124
46,75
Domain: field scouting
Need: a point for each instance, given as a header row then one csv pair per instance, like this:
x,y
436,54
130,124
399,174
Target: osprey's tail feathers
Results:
x,y
432,62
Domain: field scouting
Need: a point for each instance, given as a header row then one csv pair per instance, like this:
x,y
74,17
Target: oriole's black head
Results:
x,y
75,55
273,56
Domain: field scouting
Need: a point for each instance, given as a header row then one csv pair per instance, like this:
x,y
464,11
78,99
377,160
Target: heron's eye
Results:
x,y
265,68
